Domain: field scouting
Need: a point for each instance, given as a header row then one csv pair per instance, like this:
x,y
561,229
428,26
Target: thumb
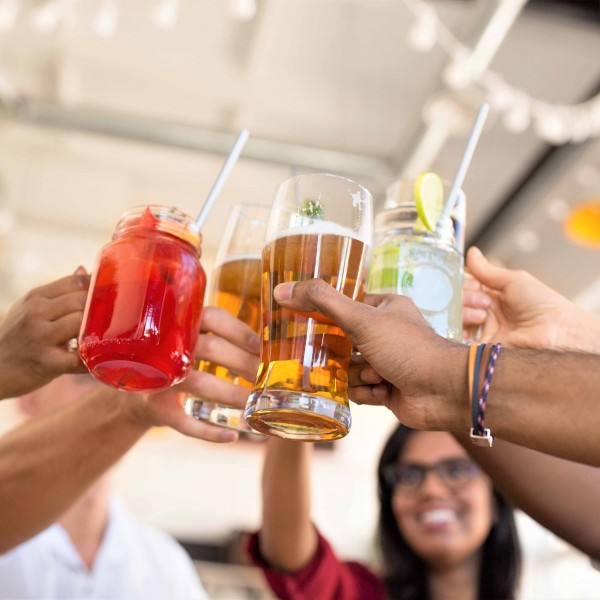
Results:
x,y
492,276
314,295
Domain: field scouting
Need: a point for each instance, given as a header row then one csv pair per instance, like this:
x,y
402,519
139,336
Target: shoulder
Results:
x,y
155,551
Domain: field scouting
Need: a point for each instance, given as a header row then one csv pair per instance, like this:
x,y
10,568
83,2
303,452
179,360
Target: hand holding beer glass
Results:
x,y
320,227
236,288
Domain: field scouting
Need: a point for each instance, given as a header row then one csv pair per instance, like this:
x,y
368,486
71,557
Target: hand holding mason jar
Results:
x,y
320,227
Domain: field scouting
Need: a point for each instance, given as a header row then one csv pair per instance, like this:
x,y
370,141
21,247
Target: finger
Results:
x,y
471,284
476,300
473,316
189,426
374,395
62,330
219,321
379,300
314,295
211,388
217,350
61,361
363,374
72,283
488,274
73,302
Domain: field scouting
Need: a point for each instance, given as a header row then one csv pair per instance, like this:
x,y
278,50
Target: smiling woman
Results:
x,y
441,516
444,531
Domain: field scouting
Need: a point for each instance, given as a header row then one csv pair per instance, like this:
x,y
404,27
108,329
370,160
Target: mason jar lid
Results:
x,y
167,219
404,218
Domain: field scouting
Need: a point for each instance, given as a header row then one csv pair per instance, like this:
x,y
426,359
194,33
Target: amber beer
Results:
x,y
236,287
237,290
305,358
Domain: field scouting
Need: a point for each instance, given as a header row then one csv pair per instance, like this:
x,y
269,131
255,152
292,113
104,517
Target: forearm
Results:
x,y
549,489
547,401
540,399
47,463
581,331
288,539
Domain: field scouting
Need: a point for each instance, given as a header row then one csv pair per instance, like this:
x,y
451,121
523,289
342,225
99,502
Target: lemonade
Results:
x,y
418,258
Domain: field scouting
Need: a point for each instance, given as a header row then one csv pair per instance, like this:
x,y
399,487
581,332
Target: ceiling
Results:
x,y
108,105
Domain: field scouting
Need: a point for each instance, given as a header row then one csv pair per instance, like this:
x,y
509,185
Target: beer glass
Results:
x,y
235,286
320,227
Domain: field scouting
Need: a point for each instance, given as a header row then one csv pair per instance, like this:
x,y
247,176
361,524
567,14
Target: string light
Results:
x,y
556,124
165,14
105,21
422,36
8,14
47,17
242,10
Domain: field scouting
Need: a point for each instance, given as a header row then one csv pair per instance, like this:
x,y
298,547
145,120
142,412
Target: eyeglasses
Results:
x,y
454,472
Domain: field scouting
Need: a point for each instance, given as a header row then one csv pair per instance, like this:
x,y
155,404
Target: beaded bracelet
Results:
x,y
480,435
474,378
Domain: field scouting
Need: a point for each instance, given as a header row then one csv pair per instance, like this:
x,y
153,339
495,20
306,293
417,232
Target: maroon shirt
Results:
x,y
325,577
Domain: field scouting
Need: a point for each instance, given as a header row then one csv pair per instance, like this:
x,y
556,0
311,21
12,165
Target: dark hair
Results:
x,y
406,574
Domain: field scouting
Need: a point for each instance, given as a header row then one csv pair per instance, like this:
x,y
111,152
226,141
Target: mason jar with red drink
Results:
x,y
142,316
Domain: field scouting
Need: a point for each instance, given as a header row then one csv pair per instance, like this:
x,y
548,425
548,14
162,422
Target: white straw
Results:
x,y
240,142
482,114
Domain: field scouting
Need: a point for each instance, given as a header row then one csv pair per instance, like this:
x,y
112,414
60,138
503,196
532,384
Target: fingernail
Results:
x,y
479,315
369,375
284,291
484,301
254,344
81,277
380,390
228,436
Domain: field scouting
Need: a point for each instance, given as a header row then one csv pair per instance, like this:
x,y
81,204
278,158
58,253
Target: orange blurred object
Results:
x,y
582,226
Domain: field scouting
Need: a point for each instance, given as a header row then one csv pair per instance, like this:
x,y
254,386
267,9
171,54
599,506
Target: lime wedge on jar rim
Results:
x,y
429,198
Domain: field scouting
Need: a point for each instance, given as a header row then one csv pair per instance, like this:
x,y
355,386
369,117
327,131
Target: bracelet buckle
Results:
x,y
484,439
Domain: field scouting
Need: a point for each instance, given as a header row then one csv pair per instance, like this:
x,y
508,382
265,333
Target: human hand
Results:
x,y
223,340
418,375
515,308
35,332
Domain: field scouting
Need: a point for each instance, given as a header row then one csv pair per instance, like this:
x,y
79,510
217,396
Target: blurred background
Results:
x,y
108,104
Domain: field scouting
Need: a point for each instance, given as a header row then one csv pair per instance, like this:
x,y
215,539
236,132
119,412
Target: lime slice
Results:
x,y
429,198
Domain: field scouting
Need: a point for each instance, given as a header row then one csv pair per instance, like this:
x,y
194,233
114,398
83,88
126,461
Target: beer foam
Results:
x,y
236,257
316,227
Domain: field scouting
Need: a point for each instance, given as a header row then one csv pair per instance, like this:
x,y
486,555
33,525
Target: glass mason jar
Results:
x,y
426,266
142,316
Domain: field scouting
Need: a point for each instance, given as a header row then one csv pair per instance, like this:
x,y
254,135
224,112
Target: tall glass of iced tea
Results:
x,y
235,286
142,317
320,227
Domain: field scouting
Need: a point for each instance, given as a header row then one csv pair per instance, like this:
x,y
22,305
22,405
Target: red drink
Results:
x,y
142,317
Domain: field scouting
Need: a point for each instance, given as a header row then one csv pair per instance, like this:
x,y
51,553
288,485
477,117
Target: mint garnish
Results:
x,y
313,209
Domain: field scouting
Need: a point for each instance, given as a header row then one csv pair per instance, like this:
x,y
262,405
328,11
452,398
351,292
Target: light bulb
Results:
x,y
46,18
550,125
105,21
8,14
558,209
518,118
242,10
165,14
527,241
422,36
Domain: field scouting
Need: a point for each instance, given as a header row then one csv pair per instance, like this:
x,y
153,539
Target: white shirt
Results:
x,y
135,561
